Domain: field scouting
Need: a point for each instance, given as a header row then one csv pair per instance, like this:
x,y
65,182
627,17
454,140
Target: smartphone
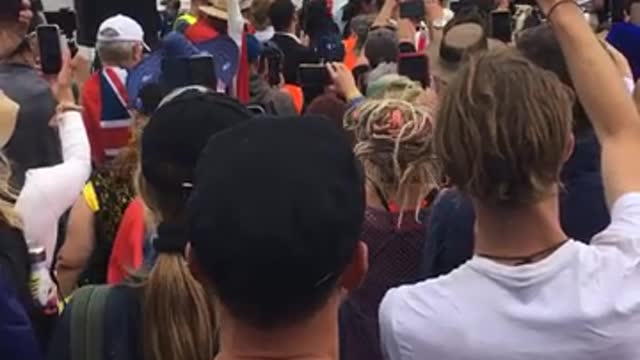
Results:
x,y
50,49
501,26
202,71
412,9
415,66
175,72
314,74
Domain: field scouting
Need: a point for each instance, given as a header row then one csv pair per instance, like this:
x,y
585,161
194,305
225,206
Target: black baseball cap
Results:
x,y
179,130
275,216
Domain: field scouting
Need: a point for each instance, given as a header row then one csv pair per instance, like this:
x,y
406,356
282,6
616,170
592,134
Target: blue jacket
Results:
x,y
583,212
625,37
17,338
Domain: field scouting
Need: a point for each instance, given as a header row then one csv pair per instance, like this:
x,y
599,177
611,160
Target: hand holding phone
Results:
x,y
50,49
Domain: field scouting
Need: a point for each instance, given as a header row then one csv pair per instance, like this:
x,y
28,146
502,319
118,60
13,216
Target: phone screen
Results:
x,y
202,72
50,49
501,26
415,66
313,80
412,9
175,72
314,74
275,69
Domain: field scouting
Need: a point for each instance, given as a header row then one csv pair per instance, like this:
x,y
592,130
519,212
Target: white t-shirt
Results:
x,y
580,303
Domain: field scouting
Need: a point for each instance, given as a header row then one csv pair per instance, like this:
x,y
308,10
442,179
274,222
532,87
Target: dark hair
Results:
x,y
9,9
275,217
178,317
540,46
281,14
316,19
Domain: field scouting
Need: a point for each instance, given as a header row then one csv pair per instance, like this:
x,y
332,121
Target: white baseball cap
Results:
x,y
120,28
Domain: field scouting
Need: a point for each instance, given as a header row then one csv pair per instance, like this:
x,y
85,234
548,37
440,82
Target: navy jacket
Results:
x,y
17,338
583,212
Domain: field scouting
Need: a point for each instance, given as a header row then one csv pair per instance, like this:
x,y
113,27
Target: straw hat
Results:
x,y
216,9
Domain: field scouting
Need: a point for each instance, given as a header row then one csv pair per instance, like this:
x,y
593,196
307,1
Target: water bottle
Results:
x,y
43,289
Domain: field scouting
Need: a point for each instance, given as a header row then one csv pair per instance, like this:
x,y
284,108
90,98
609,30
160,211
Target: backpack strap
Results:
x,y
87,322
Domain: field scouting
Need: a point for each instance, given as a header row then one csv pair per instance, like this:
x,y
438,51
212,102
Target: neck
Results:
x,y
517,232
291,29
315,338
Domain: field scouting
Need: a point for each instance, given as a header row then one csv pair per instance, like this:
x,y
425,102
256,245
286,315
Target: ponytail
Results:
x,y
178,318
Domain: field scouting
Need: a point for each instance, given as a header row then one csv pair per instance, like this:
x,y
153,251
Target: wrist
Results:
x,y
352,94
67,106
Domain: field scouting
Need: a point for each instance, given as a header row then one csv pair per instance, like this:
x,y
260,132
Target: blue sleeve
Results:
x,y
449,235
17,338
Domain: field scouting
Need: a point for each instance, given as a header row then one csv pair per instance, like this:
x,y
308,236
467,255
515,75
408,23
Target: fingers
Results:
x,y
333,71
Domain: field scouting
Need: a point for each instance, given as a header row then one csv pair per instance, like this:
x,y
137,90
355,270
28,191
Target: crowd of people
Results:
x,y
272,180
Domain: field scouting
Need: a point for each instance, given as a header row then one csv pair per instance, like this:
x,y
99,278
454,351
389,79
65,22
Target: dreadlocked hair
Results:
x,y
394,142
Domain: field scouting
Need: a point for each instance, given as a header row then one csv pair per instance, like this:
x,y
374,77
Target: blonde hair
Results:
x,y
179,319
394,141
503,129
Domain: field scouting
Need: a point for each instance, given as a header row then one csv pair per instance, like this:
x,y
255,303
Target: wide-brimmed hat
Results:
x,y
216,9
8,118
459,41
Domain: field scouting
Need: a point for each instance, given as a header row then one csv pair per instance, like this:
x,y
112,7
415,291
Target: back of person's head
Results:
x,y
178,318
540,46
316,20
360,26
394,86
381,46
333,108
394,142
282,14
260,14
120,41
275,217
504,130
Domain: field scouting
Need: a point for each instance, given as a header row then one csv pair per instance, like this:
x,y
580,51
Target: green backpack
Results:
x,y
87,322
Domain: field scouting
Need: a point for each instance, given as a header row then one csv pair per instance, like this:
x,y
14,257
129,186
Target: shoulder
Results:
x,y
417,318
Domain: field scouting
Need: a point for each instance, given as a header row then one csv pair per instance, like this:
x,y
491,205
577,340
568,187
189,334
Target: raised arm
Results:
x,y
235,23
602,93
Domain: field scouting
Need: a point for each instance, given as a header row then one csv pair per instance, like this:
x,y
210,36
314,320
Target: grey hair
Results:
x,y
117,53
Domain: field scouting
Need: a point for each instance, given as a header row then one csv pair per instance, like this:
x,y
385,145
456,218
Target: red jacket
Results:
x,y
128,247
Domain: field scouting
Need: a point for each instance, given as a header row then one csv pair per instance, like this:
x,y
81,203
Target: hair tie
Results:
x,y
171,239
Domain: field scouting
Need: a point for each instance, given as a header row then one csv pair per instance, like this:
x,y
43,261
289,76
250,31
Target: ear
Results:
x,y
568,151
356,270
